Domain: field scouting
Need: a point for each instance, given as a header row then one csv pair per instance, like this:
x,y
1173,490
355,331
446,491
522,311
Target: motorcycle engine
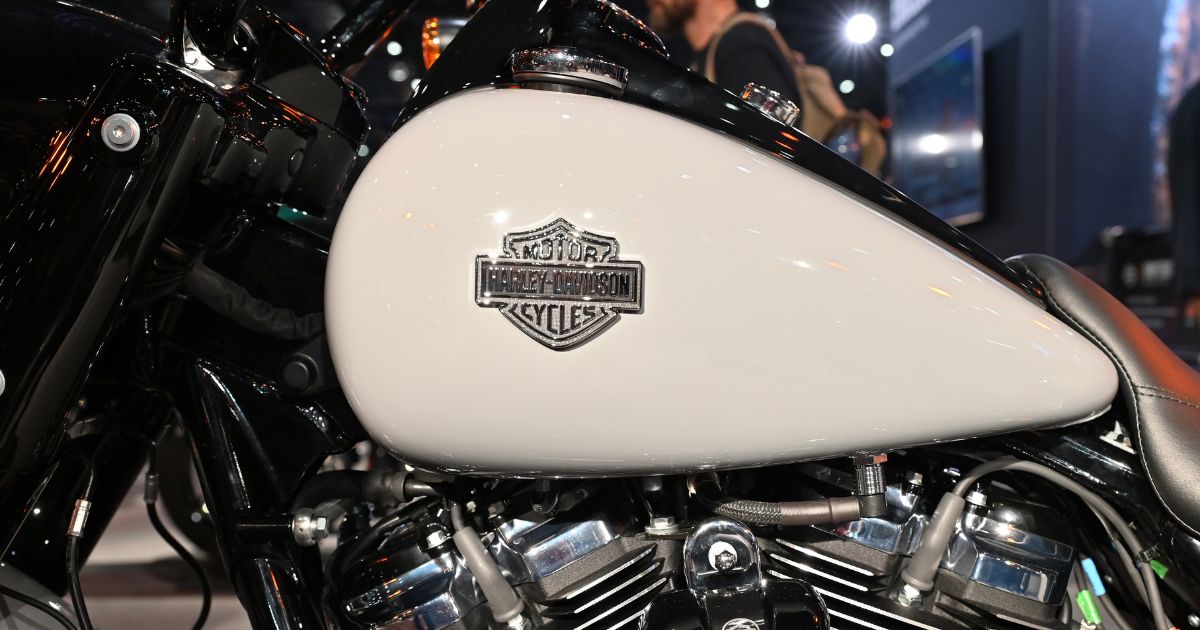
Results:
x,y
593,558
1008,563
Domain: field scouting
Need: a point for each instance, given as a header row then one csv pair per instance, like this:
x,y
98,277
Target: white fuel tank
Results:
x,y
534,283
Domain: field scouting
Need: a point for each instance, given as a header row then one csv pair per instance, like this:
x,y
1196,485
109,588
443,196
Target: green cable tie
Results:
x,y
1159,569
1088,606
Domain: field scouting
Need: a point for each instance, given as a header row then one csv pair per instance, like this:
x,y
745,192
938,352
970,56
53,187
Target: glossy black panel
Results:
x,y
211,24
253,449
288,67
73,243
1113,473
45,92
118,450
56,51
79,223
504,27
355,36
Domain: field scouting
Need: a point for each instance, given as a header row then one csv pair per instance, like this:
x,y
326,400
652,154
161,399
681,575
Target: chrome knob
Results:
x,y
771,103
571,67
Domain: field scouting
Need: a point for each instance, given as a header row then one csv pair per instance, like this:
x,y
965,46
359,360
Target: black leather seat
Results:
x,y
1161,391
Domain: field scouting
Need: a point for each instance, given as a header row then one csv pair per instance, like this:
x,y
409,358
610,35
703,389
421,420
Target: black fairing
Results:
x,y
48,87
479,57
79,225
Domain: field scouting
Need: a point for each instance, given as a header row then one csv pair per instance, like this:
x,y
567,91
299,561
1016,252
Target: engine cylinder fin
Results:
x,y
610,599
856,598
585,586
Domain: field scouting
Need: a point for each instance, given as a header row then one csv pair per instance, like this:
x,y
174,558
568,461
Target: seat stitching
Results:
x,y
1137,414
1182,402
1163,390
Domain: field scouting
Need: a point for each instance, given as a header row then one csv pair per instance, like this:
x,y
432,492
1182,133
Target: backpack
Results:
x,y
824,114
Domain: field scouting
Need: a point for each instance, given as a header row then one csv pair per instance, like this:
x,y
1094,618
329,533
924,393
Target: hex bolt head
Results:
x,y
908,596
869,459
661,525
120,132
436,538
977,499
722,557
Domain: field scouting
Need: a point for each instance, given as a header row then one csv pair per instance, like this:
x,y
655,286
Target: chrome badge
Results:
x,y
559,284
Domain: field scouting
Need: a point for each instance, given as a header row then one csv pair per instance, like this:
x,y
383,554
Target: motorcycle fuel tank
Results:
x,y
527,282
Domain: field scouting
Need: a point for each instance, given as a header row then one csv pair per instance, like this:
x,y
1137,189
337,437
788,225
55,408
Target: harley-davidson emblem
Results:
x,y
559,284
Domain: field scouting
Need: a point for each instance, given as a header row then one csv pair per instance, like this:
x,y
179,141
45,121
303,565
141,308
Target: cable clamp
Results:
x,y
79,517
150,491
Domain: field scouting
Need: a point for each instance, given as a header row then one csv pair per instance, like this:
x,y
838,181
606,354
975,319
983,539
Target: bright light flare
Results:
x,y
933,144
861,28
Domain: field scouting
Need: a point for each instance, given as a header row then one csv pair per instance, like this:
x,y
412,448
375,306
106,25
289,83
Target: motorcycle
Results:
x,y
645,355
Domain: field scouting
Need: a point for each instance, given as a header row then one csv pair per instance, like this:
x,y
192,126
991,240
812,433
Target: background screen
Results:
x,y
937,136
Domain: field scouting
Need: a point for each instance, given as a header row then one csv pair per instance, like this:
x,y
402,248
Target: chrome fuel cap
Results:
x,y
558,67
771,103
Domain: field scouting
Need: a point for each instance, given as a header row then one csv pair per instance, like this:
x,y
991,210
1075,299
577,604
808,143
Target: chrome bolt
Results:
x,y
308,527
120,132
722,557
915,478
977,499
908,596
436,538
660,525
1193,620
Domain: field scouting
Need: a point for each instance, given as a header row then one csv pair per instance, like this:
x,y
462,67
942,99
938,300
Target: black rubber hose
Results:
x,y
418,488
331,485
205,588
373,538
233,301
33,602
81,613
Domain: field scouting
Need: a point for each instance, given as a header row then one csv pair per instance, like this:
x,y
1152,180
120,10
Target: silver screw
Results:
x,y
120,132
726,560
1194,620
915,478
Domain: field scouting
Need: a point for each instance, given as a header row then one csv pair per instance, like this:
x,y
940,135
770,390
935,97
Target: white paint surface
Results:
x,y
784,319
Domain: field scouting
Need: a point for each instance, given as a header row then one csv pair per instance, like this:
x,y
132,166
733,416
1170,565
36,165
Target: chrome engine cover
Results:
x,y
586,569
994,563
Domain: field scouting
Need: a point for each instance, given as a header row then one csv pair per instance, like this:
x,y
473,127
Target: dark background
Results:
x,y
1077,95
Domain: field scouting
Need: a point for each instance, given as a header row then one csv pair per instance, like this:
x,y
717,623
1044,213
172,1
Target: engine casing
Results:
x,y
781,319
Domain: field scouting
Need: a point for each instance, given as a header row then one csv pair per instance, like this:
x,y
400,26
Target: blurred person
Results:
x,y
732,47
